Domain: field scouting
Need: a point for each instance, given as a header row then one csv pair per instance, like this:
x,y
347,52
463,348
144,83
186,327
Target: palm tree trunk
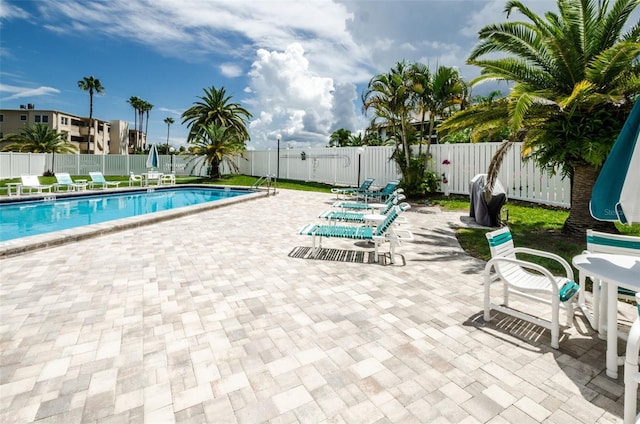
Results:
x,y
90,121
580,219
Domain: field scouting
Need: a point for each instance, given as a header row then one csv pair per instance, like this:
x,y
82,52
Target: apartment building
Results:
x,y
107,137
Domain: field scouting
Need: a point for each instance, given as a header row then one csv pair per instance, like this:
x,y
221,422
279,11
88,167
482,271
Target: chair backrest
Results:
x,y
599,242
97,177
395,197
63,178
389,188
501,243
366,184
390,219
30,180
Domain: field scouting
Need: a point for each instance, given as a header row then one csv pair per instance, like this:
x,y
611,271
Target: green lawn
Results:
x,y
532,226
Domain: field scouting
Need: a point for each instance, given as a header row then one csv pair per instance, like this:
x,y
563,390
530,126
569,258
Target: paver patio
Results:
x,y
221,317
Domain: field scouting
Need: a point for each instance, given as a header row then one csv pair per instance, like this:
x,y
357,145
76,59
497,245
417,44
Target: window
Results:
x,y
45,119
1,118
64,120
23,117
37,118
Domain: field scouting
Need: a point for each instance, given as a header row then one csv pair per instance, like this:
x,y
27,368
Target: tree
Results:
x,y
218,144
146,107
389,96
576,76
134,101
39,139
92,85
215,107
340,138
168,121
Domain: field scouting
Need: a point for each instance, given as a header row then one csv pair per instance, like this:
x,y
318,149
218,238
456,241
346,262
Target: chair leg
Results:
x,y
631,374
555,322
487,298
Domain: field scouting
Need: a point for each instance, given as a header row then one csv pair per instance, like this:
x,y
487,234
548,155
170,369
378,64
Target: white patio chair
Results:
x,y
168,179
631,372
599,242
529,280
135,179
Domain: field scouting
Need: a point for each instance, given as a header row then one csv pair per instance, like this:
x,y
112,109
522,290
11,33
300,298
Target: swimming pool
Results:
x,y
54,214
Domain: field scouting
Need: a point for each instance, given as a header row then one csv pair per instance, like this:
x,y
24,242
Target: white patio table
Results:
x,y
614,271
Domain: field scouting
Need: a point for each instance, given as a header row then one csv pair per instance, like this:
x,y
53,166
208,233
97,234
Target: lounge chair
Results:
x,y
63,180
598,242
528,280
366,217
380,195
363,206
352,191
32,182
97,179
384,232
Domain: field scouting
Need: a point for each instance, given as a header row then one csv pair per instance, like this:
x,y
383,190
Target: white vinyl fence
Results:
x,y
336,166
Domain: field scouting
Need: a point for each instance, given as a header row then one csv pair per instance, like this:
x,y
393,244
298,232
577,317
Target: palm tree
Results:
x,y
134,101
146,107
576,76
39,139
215,107
218,144
340,138
92,85
168,121
389,95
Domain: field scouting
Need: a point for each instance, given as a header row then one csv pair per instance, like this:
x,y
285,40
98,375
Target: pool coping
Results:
x,y
57,238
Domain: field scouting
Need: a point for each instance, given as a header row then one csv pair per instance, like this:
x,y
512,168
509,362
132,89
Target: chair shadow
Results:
x,y
581,356
345,255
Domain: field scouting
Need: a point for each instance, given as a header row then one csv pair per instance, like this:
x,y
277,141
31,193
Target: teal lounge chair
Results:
x,y
384,232
362,217
396,196
380,195
63,180
98,179
352,191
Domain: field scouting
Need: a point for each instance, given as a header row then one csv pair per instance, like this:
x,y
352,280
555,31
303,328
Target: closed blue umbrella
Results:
x,y
153,159
616,193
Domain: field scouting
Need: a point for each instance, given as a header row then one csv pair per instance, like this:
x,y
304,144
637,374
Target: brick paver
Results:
x,y
221,317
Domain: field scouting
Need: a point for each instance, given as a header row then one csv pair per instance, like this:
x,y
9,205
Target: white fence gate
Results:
x,y
331,165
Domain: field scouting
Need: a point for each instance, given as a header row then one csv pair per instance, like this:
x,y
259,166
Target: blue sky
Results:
x,y
298,66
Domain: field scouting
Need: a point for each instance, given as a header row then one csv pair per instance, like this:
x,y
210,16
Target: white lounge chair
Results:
x,y
97,179
64,181
528,280
32,182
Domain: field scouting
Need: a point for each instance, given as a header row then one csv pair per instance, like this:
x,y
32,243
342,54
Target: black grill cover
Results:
x,y
486,213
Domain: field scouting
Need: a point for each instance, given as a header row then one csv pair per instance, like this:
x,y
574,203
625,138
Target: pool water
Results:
x,y
22,219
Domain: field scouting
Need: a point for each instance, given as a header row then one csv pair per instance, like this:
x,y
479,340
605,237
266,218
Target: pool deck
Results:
x,y
222,316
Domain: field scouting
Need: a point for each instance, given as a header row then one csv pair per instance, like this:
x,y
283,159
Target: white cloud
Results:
x,y
298,102
20,92
10,11
230,70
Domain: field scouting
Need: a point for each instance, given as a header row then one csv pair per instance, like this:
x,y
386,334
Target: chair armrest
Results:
x,y
524,264
548,255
